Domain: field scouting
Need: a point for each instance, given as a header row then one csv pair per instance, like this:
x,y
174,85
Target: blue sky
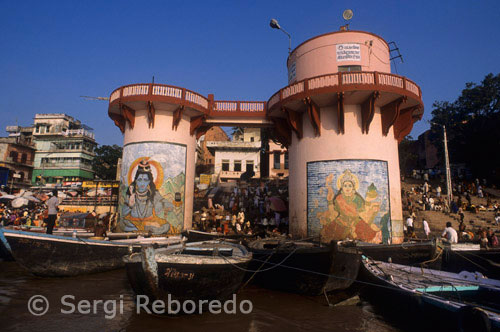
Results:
x,y
51,52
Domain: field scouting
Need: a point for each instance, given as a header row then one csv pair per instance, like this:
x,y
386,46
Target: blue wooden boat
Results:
x,y
61,256
465,301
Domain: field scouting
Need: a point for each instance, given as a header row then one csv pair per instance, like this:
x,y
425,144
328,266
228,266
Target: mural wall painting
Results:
x,y
348,199
152,188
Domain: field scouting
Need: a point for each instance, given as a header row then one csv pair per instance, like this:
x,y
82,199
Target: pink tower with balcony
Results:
x,y
341,117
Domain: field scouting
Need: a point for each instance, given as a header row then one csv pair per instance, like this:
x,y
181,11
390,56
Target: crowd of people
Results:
x,y
426,198
252,208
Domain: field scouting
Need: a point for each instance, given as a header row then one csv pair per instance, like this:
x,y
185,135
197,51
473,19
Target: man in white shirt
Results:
x,y
427,229
52,204
409,225
449,234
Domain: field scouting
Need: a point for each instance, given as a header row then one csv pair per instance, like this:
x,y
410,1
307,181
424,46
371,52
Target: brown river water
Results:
x,y
272,310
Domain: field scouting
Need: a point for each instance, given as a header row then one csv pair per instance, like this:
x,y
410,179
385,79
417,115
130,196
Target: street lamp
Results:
x,y
275,25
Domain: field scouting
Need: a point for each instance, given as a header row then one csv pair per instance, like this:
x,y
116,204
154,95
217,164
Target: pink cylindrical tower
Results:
x,y
342,117
159,123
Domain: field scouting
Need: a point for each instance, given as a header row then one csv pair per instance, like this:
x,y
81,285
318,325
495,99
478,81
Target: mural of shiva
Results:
x,y
152,188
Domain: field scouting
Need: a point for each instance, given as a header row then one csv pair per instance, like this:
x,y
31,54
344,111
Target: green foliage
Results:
x,y
106,160
472,124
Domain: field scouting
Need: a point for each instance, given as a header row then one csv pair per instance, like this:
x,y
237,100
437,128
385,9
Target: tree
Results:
x,y
106,160
408,155
472,123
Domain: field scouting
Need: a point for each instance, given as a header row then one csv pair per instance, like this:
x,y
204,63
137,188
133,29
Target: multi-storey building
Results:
x,y
242,154
16,157
278,160
64,149
206,160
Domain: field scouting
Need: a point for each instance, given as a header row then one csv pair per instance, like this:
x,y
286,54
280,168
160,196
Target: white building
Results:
x,y
235,157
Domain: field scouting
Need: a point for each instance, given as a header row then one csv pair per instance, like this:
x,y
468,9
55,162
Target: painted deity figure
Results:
x,y
349,215
145,209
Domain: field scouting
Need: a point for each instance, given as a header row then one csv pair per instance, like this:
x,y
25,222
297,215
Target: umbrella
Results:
x,y
18,202
26,193
277,204
32,199
7,196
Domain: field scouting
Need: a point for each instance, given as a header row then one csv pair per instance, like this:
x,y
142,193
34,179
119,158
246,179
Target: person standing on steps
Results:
x,y
53,206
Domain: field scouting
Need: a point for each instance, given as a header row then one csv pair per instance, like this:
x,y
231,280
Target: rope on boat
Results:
x,y
263,270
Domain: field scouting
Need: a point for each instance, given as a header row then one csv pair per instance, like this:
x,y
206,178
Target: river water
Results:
x,y
272,311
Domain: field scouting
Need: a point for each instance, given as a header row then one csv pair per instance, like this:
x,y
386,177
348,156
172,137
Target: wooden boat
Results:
x,y
302,267
460,302
199,236
210,270
5,252
59,256
406,253
470,257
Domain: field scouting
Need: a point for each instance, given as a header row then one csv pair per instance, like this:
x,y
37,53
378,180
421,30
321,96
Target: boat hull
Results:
x,y
310,271
55,256
5,252
181,277
452,302
405,253
487,262
198,236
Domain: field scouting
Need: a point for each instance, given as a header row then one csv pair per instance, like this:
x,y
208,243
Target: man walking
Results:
x,y
409,226
427,230
52,205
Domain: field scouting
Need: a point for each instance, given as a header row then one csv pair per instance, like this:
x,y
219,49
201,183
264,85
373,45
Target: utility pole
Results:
x,y
447,165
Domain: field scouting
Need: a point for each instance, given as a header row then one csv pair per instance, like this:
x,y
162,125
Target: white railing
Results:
x,y
251,106
293,90
358,78
412,87
135,90
78,132
115,95
390,80
196,99
323,81
167,91
225,106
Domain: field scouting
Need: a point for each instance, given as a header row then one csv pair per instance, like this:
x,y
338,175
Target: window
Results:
x,y
24,157
13,155
349,68
237,165
251,139
225,165
277,159
286,160
249,167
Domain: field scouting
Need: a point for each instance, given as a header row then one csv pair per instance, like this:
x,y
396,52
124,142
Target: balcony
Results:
x,y
399,100
78,133
346,81
65,165
234,145
235,175
124,101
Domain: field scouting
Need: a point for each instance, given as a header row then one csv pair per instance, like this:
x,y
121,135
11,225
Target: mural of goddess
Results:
x,y
349,215
144,208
